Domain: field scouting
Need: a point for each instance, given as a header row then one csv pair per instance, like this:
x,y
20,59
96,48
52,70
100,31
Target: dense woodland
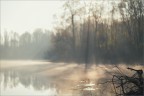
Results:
x,y
89,32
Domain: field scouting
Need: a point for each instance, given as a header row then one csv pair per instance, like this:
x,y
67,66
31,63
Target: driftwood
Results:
x,y
124,85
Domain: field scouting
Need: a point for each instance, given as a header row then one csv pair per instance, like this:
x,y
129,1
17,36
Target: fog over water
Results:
x,y
48,78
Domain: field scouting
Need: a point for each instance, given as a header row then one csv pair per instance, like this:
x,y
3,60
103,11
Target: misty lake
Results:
x,y
46,78
18,78
34,78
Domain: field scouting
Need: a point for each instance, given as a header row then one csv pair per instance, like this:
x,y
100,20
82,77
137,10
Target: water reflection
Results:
x,y
53,78
12,78
56,79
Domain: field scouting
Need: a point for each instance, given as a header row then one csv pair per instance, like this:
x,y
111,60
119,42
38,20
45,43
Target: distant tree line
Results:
x,y
89,32
26,45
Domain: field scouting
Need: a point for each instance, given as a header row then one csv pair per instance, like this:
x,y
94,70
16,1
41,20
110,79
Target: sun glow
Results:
x,y
21,16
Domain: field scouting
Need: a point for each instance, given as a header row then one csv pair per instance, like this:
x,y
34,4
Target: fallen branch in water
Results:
x,y
124,85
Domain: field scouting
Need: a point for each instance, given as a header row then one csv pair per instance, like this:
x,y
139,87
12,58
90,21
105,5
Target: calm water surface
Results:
x,y
24,79
47,78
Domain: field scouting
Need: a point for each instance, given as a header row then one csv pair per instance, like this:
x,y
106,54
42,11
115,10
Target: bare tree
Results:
x,y
132,12
72,7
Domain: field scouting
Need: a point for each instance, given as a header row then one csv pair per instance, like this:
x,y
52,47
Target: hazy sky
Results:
x,y
21,16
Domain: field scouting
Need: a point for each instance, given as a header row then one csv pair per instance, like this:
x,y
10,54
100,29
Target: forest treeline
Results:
x,y
89,32
25,46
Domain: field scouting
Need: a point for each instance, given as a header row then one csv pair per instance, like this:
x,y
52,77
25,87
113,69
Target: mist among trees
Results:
x,y
26,45
89,32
